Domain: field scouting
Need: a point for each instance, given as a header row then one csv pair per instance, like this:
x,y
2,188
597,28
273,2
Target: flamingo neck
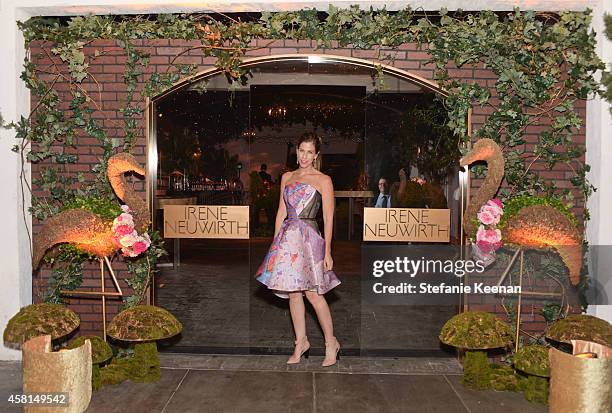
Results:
x,y
488,189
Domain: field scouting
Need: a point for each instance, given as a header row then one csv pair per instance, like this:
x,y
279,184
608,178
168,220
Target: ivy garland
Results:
x,y
543,63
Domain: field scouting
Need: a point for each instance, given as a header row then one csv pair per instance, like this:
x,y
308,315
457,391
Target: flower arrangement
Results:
x,y
488,236
126,237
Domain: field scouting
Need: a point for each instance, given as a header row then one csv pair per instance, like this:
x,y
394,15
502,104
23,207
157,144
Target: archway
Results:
x,y
206,145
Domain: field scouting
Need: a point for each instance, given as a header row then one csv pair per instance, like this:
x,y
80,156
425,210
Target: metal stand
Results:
x,y
520,251
102,293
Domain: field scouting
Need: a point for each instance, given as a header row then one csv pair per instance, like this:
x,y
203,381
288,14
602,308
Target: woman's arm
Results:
x,y
402,185
281,214
327,194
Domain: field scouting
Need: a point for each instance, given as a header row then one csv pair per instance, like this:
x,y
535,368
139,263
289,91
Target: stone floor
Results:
x,y
225,310
237,383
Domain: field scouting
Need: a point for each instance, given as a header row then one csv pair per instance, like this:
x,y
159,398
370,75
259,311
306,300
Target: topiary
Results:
x,y
35,320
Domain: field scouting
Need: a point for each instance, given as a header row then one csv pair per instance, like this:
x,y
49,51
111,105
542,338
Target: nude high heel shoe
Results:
x,y
303,347
332,349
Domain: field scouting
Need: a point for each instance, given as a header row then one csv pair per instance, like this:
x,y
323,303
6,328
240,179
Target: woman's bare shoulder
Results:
x,y
323,179
286,176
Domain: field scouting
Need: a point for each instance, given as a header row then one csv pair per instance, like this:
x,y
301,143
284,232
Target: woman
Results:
x,y
299,261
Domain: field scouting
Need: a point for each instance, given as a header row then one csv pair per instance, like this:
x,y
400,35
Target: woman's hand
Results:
x,y
402,174
328,262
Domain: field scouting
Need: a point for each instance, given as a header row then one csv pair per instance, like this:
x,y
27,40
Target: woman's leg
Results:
x,y
323,313
298,317
332,346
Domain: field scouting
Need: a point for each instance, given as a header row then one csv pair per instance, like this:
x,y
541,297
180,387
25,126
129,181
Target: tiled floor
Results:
x,y
251,384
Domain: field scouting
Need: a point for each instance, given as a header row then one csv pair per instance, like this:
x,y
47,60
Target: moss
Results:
x,y
101,351
96,377
144,323
581,327
142,368
533,360
112,374
476,371
514,205
504,378
101,206
476,330
40,319
536,389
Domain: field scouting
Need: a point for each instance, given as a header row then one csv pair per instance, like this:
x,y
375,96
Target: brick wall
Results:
x,y
110,93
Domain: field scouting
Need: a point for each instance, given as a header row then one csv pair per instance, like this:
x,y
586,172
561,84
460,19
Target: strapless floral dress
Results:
x,y
294,261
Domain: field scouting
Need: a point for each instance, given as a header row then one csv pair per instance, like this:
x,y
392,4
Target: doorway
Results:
x,y
216,146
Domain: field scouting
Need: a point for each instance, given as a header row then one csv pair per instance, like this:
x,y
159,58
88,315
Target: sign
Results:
x,y
406,224
206,221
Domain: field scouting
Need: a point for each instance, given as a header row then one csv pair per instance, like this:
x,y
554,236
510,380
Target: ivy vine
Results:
x,y
543,64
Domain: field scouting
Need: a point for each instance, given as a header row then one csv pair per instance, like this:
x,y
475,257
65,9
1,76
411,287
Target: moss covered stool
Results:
x,y
42,319
533,361
476,332
143,325
101,352
581,327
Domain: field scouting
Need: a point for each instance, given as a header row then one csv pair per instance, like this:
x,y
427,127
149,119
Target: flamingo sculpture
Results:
x,y
535,226
92,233
85,229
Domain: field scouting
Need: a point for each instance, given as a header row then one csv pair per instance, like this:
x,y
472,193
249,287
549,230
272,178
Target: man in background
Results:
x,y
384,197
265,176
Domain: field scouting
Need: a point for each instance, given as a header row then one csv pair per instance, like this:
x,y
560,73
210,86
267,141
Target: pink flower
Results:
x,y
495,207
490,214
139,247
124,230
488,239
498,203
129,240
125,208
486,217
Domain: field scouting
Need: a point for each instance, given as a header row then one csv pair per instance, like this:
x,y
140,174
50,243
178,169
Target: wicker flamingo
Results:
x,y
92,233
536,226
88,231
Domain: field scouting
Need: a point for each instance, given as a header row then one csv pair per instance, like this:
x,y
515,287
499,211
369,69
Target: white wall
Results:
x,y
15,268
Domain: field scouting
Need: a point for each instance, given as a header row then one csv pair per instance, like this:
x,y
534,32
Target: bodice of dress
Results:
x,y
303,202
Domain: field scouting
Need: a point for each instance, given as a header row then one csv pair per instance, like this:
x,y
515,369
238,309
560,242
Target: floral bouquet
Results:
x,y
126,237
488,237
